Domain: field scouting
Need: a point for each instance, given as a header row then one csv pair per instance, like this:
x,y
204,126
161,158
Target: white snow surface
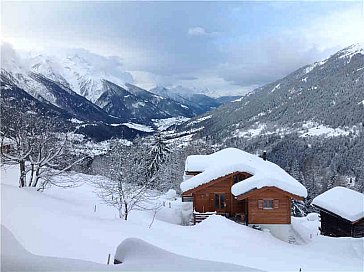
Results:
x,y
315,129
14,257
62,223
157,259
135,254
230,160
79,70
139,127
346,203
352,50
163,124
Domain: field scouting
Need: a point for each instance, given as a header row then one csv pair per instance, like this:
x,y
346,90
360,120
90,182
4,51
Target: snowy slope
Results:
x,y
322,99
136,255
86,87
14,257
64,224
77,72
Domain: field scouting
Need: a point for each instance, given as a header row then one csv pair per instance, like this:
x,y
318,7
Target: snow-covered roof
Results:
x,y
6,141
344,202
230,160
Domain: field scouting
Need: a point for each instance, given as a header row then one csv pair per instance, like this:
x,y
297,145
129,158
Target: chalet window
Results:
x,y
268,204
219,201
187,198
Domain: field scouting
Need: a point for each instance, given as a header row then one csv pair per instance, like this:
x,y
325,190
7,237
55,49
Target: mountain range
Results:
x,y
310,122
81,93
326,94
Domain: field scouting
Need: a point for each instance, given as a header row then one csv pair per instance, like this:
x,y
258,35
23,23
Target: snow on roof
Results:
x,y
230,160
346,203
6,141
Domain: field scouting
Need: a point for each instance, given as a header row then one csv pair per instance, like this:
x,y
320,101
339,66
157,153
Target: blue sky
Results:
x,y
231,46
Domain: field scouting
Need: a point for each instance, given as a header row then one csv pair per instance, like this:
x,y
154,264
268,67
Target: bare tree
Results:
x,y
51,158
129,187
37,149
18,154
18,136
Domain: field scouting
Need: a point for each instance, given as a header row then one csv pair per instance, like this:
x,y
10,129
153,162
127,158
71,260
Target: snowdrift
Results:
x,y
136,254
14,257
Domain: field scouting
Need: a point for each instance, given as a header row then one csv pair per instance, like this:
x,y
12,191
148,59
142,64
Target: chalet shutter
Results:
x,y
260,204
276,203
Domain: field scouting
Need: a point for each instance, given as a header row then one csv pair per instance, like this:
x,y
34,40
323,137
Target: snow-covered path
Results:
x,y
62,223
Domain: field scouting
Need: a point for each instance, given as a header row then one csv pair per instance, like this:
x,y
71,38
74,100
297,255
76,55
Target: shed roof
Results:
x,y
344,202
230,160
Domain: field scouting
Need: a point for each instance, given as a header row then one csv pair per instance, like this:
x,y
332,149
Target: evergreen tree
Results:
x,y
157,155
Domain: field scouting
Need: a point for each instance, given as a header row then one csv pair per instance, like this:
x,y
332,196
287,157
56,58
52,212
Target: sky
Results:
x,y
230,47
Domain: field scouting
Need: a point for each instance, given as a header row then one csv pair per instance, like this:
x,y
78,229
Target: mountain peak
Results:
x,y
348,52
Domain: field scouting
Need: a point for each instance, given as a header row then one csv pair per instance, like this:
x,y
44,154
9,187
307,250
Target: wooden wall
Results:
x,y
204,196
358,229
277,215
204,201
335,226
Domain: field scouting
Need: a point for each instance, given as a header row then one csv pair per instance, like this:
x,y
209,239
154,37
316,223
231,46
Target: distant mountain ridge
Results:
x,y
310,122
328,93
94,94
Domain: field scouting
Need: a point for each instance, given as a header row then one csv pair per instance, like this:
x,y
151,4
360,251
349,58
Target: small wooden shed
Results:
x,y
342,212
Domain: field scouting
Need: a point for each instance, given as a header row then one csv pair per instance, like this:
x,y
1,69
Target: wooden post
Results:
x,y
95,209
108,259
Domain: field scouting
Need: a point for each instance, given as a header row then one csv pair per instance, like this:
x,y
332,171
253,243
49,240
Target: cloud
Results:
x,y
199,31
185,77
271,57
217,45
196,31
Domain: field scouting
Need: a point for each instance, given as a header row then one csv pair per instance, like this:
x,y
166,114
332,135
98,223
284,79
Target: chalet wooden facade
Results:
x,y
342,212
336,226
268,205
259,205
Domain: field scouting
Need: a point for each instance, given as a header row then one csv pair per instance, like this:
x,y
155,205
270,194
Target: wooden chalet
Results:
x,y
238,185
342,212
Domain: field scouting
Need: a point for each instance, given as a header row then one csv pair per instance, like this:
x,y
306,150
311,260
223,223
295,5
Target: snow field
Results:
x,y
62,223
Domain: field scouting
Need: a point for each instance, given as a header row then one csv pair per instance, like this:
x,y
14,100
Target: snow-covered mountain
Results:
x,y
193,99
138,105
328,93
92,88
311,121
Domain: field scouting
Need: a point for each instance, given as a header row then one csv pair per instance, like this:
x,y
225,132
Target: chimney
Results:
x,y
264,155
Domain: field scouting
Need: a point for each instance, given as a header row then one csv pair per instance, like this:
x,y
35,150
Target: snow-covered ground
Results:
x,y
63,223
139,127
163,124
309,129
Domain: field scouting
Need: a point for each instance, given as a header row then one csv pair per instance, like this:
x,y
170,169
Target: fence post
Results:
x,y
108,259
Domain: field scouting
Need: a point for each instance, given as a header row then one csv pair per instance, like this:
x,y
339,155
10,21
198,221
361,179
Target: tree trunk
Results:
x,y
35,183
126,211
22,179
31,175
